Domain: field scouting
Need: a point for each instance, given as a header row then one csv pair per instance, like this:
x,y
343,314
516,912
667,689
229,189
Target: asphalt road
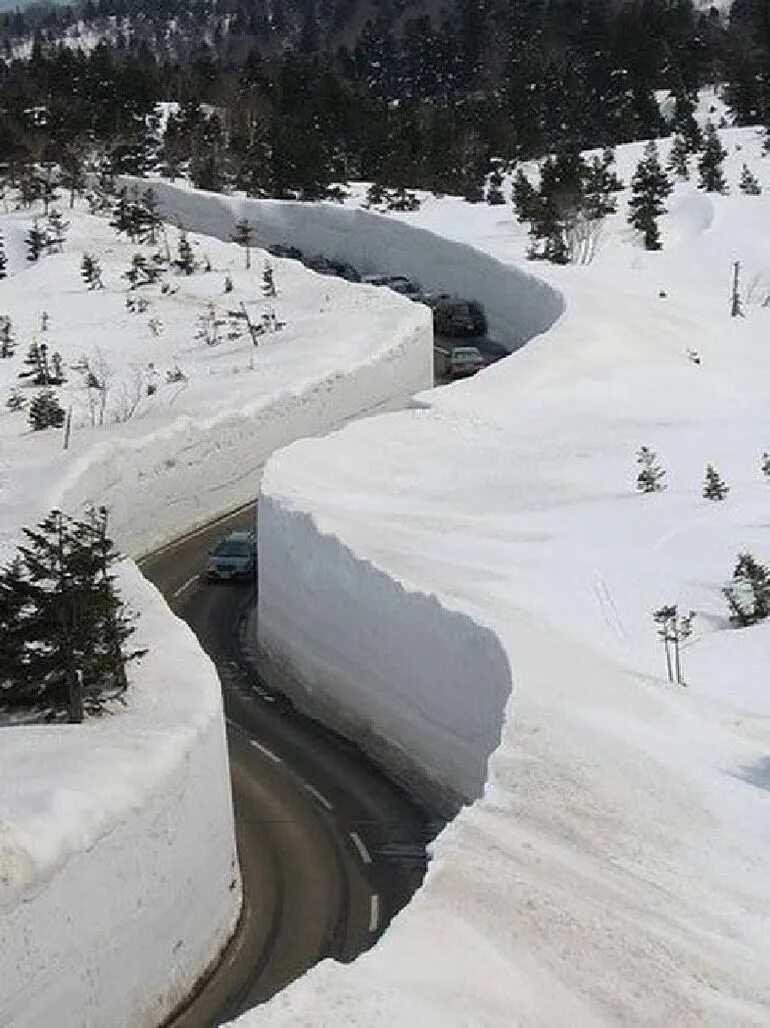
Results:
x,y
329,848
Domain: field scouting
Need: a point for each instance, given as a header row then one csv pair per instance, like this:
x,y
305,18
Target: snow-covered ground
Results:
x,y
617,867
118,883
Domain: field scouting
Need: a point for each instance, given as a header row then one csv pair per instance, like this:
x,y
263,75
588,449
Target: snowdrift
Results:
x,y
616,867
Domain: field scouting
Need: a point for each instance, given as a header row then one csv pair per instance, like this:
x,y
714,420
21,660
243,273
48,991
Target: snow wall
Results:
x,y
518,305
118,879
119,883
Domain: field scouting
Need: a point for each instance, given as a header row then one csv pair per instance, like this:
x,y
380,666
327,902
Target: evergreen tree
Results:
x,y
651,475
600,184
7,340
122,219
649,188
143,272
151,220
712,179
268,282
376,195
228,284
749,183
73,175
765,465
684,122
35,240
244,234
15,401
45,411
495,196
62,621
714,488
56,231
185,260
3,259
36,362
210,326
677,160
748,595
91,272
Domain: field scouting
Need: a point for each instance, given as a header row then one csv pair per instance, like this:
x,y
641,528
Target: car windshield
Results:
x,y
232,548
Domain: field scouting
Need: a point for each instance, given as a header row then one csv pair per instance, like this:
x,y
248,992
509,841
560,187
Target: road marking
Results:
x,y
374,912
185,586
268,753
319,796
363,852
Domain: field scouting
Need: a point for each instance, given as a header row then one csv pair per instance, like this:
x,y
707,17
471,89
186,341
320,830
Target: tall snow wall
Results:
x,y
518,305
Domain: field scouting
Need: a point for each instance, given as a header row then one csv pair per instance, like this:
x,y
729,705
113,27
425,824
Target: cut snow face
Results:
x,y
617,867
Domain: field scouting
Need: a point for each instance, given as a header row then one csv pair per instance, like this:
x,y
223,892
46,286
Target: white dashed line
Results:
x,y
319,796
374,912
363,852
268,753
182,588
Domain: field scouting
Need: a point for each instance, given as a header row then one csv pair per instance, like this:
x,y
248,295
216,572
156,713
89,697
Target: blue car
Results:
x,y
233,557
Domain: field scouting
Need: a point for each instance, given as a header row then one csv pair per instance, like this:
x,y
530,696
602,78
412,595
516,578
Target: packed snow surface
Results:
x,y
616,868
118,877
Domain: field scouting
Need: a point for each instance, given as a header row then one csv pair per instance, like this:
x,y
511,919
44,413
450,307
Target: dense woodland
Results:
x,y
283,98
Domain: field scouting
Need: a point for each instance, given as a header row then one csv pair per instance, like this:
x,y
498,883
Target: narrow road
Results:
x,y
329,848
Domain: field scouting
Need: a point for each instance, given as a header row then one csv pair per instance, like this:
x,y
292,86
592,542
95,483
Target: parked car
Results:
x,y
398,283
465,360
234,556
279,250
456,317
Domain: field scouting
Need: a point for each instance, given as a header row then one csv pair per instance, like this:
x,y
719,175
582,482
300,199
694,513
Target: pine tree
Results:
x,y
649,188
375,195
7,340
142,272
748,595
15,401
714,488
63,622
600,184
495,196
677,160
268,282
244,235
228,285
57,370
749,183
45,411
91,272
37,364
56,231
151,221
210,326
765,465
684,122
712,179
185,260
3,259
651,475
35,240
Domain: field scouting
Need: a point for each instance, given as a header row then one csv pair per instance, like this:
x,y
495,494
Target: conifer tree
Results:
x,y
599,186
15,401
684,122
151,220
268,282
62,621
7,340
712,179
35,240
765,464
244,235
748,595
37,365
651,475
714,488
210,326
677,160
3,259
376,195
56,231
649,188
91,272
185,260
45,411
749,183
495,196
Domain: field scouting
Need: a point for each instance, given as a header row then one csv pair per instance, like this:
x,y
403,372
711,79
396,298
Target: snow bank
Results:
x,y
118,877
118,874
327,616
616,867
518,304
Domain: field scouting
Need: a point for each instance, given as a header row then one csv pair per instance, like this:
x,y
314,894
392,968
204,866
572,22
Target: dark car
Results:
x,y
233,557
456,317
290,252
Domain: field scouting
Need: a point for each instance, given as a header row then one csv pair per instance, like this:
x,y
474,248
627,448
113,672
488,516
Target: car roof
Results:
x,y
238,537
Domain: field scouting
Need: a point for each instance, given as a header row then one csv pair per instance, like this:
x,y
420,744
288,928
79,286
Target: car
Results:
x,y
458,317
398,283
288,252
234,557
465,360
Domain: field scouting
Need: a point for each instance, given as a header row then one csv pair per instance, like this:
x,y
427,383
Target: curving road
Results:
x,y
329,848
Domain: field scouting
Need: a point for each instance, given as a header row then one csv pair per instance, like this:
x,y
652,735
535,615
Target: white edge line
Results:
x,y
267,752
319,796
358,842
185,586
374,912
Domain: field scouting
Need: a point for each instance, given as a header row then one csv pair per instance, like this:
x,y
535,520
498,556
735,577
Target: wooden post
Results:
x,y
736,307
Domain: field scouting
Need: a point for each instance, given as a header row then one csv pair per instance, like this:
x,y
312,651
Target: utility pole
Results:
x,y
736,307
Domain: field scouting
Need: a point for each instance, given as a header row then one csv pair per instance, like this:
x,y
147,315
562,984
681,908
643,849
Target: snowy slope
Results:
x,y
118,882
616,868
